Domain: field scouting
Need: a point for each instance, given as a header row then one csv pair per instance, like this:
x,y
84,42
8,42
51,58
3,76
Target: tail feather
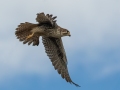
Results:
x,y
23,30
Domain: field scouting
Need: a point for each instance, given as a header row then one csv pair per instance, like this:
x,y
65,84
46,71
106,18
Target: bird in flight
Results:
x,y
51,34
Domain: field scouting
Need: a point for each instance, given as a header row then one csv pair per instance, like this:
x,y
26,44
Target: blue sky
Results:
x,y
93,50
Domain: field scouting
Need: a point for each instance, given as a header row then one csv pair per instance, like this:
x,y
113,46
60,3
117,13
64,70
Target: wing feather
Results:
x,y
55,51
46,19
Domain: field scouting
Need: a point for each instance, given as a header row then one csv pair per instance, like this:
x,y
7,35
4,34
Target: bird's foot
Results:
x,y
29,36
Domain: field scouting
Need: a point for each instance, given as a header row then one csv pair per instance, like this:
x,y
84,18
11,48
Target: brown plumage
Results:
x,y
51,37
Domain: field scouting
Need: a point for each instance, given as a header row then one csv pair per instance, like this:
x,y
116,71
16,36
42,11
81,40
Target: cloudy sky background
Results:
x,y
93,50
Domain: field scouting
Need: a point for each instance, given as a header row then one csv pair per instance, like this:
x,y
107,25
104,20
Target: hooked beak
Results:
x,y
69,34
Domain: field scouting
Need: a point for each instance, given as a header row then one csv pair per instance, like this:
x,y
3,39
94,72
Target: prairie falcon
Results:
x,y
51,35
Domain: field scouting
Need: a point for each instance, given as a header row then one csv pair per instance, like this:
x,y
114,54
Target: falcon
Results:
x,y
51,34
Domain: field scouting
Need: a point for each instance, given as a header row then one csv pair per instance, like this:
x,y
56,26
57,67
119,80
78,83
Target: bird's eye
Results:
x,y
67,31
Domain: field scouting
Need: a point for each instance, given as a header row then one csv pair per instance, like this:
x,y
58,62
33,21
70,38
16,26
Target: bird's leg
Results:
x,y
30,36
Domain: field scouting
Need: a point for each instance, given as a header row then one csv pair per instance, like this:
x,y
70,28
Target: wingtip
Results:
x,y
76,84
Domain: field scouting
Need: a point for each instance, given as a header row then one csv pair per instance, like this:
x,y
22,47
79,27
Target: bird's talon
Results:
x,y
29,36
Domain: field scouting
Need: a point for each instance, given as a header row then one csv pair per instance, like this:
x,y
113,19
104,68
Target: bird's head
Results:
x,y
63,32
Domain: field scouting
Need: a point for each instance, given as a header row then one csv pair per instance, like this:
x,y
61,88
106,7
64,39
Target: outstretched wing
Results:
x,y
23,31
46,19
55,51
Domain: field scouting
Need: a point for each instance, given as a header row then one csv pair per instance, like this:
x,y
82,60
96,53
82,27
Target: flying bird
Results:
x,y
51,34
